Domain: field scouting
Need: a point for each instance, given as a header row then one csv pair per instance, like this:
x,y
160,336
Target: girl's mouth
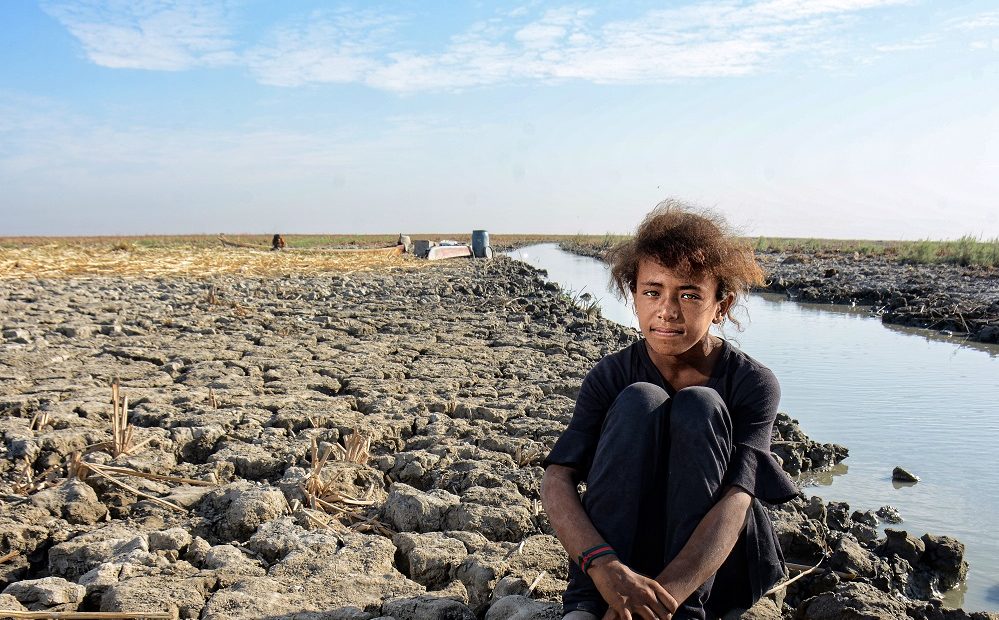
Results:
x,y
667,331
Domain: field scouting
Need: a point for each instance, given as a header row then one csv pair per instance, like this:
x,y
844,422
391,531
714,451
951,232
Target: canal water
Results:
x,y
893,396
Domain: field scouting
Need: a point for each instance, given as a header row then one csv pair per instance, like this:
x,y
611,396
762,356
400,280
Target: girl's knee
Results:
x,y
695,407
641,397
638,409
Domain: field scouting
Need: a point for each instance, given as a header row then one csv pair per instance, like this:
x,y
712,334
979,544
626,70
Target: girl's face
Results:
x,y
674,312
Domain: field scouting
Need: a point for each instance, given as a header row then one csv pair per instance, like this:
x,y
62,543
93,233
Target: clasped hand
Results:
x,y
631,595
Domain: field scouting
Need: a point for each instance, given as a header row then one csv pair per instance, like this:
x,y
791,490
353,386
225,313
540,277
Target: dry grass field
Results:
x,y
304,241
199,256
205,256
58,260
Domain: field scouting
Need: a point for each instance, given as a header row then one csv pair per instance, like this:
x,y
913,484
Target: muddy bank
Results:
x,y
434,396
963,301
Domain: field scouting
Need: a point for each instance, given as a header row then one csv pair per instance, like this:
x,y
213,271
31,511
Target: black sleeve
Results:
x,y
577,445
753,467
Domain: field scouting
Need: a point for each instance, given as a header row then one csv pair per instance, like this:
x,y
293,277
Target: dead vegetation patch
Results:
x,y
68,261
321,493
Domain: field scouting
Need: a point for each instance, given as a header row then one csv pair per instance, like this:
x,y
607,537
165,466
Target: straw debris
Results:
x,y
39,421
77,468
68,261
28,482
321,495
358,449
122,432
9,556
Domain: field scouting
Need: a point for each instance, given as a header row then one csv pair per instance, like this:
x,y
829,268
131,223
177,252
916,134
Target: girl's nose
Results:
x,y
668,310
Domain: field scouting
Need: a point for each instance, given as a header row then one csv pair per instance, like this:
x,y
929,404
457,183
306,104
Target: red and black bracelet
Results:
x,y
586,558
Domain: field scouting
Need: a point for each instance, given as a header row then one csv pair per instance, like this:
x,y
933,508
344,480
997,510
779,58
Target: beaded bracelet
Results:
x,y
586,558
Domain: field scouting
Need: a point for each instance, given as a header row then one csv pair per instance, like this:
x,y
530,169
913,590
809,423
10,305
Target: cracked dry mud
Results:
x,y
461,377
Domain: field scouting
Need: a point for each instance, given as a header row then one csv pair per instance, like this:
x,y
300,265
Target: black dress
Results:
x,y
655,460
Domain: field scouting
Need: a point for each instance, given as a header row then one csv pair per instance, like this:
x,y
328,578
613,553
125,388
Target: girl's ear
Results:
x,y
724,305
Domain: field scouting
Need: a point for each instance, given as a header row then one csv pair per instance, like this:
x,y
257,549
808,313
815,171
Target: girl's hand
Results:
x,y
629,594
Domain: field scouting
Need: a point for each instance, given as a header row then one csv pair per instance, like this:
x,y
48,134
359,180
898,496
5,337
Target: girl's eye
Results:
x,y
651,293
688,296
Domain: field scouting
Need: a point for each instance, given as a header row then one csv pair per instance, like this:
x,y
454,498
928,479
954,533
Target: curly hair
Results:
x,y
688,241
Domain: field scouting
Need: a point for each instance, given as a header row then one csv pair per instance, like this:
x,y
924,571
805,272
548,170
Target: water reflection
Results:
x,y
824,477
958,341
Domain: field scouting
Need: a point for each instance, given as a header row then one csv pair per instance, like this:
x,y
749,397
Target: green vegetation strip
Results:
x,y
966,251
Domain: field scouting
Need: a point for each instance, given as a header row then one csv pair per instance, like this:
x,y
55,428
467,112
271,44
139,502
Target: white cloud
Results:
x,y
919,43
168,35
977,26
803,9
716,39
985,45
988,19
339,47
702,39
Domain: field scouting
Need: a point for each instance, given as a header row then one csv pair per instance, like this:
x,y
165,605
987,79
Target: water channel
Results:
x,y
893,396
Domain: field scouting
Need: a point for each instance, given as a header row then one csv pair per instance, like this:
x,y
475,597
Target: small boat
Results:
x,y
439,252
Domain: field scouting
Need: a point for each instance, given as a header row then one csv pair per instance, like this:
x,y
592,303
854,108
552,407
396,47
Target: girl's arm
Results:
x,y
627,592
708,547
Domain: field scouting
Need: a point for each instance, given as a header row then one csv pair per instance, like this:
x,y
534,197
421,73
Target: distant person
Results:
x,y
277,243
672,437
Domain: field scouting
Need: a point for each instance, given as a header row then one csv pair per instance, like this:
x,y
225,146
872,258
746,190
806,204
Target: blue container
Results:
x,y
480,243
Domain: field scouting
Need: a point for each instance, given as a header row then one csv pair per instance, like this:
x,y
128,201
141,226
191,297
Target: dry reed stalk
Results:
x,y
127,471
961,316
781,586
39,421
358,447
27,482
25,478
91,615
76,467
319,522
98,470
313,485
122,433
518,550
10,556
121,430
804,567
806,570
524,456
372,524
319,493
534,584
339,503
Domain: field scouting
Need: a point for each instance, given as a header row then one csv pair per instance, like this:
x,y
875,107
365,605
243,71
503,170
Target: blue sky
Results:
x,y
821,118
